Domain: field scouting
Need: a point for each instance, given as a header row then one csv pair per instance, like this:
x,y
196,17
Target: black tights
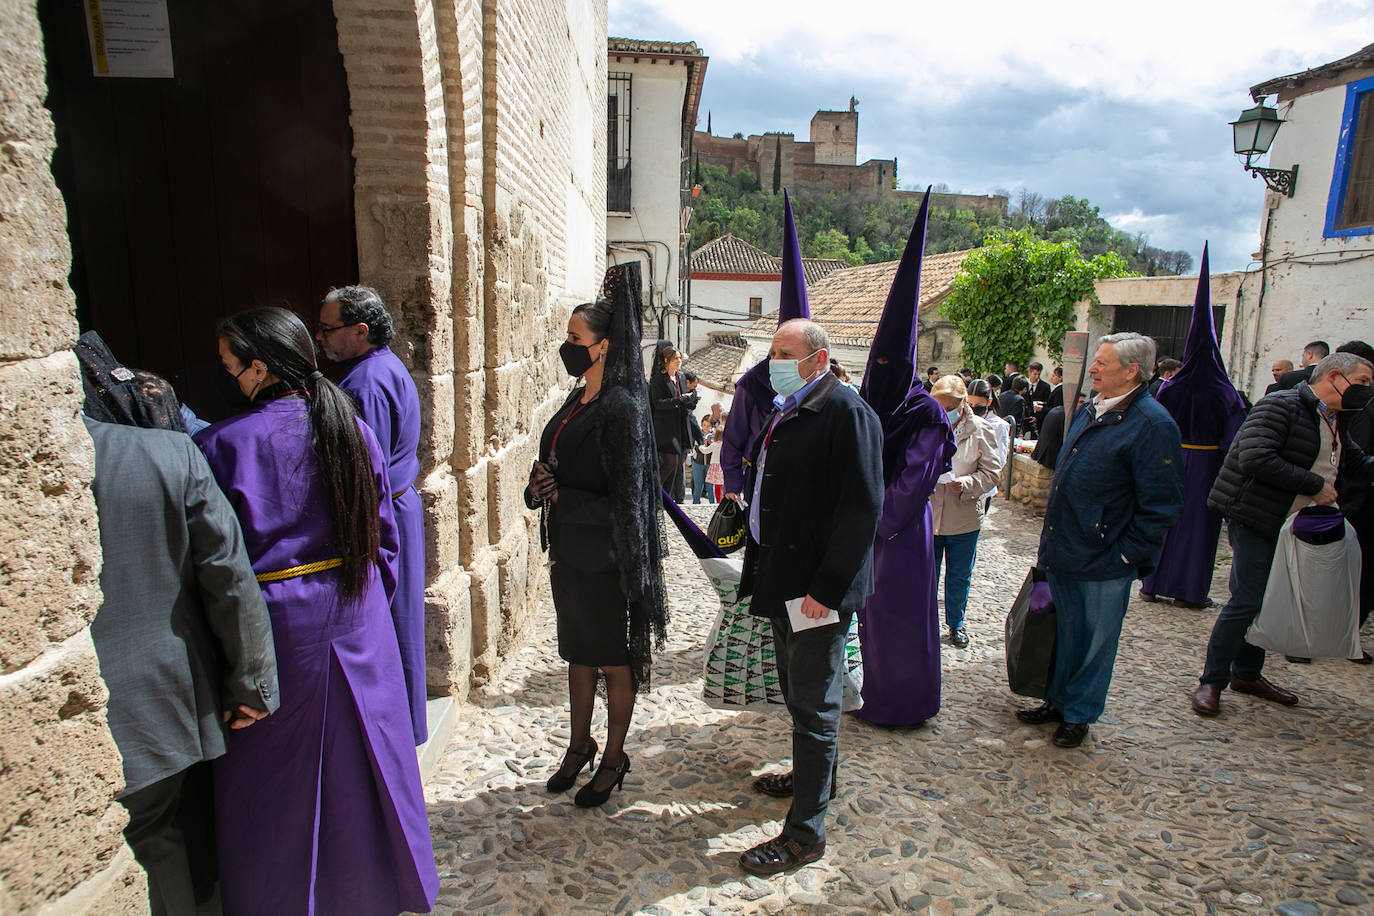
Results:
x,y
620,704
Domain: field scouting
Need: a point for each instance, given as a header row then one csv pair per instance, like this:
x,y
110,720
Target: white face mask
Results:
x,y
785,376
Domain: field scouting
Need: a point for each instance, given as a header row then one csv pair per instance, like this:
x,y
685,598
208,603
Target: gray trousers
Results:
x,y
811,674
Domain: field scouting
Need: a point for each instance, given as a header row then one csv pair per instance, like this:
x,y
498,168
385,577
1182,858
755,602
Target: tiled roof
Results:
x,y
641,46
1360,59
849,302
730,255
716,364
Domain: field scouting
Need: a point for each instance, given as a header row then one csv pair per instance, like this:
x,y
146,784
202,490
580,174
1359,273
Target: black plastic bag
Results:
x,y
726,530
1030,642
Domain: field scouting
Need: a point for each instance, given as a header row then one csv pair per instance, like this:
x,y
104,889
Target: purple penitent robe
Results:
x,y
899,627
388,403
1208,410
749,413
319,808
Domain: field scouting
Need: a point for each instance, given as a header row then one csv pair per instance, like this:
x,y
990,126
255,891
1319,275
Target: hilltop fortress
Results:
x,y
828,159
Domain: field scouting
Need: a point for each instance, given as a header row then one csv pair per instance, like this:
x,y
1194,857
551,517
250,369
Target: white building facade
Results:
x,y
1316,274
653,89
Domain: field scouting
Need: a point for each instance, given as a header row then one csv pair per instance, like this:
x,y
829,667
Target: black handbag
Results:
x,y
726,529
1030,643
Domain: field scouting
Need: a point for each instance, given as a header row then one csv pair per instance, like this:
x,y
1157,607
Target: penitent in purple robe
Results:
x,y
1208,411
899,627
388,403
319,808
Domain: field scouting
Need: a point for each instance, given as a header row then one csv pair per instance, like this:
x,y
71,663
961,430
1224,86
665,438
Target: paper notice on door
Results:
x,y
801,622
129,38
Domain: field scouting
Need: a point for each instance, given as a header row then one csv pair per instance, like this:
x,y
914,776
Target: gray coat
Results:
x,y
183,634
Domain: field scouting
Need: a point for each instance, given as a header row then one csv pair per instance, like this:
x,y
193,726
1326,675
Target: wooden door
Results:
x,y
226,187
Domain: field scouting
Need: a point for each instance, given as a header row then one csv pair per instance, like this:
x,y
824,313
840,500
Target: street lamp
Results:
x,y
1253,133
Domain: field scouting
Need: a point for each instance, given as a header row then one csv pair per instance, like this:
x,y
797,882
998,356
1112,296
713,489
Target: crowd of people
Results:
x,y
288,697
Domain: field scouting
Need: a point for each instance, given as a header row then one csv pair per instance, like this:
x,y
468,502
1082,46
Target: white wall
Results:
x,y
1314,288
733,295
656,95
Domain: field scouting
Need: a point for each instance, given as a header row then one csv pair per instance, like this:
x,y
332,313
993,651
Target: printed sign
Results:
x,y
129,38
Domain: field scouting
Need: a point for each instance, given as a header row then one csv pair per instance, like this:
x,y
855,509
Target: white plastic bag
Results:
x,y
1312,601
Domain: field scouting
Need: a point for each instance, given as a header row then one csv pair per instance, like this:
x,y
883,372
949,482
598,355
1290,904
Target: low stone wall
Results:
x,y
1030,482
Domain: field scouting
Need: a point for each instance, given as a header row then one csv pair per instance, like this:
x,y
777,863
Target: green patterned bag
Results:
x,y
740,670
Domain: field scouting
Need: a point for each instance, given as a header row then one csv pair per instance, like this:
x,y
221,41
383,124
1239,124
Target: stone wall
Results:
x,y
1030,482
60,842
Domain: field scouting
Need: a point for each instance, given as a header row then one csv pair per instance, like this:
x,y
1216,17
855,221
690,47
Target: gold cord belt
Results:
x,y
1203,448
291,572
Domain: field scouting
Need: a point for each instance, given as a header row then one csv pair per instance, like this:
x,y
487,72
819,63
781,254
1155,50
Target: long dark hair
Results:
x,y
281,341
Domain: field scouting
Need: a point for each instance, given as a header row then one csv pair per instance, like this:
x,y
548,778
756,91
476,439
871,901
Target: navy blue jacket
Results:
x,y
1117,490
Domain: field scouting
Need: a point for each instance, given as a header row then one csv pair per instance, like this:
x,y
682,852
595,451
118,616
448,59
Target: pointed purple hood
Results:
x,y
793,303
1200,397
890,387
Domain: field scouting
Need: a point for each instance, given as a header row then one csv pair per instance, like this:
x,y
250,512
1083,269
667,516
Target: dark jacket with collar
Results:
x,y
1270,461
1355,501
819,504
672,412
1117,490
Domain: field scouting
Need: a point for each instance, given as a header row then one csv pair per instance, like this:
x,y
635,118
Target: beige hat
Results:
x,y
950,386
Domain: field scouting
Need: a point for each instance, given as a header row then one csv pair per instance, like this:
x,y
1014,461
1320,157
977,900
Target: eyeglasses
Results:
x,y
327,330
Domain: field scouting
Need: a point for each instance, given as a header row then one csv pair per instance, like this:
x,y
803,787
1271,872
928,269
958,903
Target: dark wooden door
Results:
x,y
227,187
1167,324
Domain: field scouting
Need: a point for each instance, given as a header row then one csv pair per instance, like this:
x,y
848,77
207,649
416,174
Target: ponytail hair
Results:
x,y
282,342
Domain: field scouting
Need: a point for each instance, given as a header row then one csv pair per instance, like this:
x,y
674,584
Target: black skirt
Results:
x,y
593,616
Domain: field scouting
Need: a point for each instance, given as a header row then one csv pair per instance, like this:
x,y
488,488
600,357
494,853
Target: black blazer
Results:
x,y
819,504
672,413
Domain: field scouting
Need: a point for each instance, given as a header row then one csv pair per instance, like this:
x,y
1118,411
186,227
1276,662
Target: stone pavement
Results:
x,y
1265,809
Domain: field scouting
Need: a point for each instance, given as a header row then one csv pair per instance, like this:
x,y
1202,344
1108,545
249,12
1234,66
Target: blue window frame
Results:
x,y
1350,205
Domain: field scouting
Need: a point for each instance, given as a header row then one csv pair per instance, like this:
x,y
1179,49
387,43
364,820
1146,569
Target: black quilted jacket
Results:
x,y
1269,462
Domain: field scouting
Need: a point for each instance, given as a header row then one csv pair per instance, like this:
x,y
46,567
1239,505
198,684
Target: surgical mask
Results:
x,y
1355,397
953,416
784,375
576,359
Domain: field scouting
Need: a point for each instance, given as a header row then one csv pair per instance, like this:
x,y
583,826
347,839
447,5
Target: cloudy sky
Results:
x,y
1126,105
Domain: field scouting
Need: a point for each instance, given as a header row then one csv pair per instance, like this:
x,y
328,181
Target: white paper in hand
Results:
x,y
801,622
946,477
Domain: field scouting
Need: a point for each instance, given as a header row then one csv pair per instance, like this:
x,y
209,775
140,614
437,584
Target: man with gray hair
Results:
x,y
814,486
1287,455
354,331
1117,489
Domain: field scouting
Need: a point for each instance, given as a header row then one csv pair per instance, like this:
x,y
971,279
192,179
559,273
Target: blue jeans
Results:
x,y
1088,616
962,550
811,674
1228,654
699,485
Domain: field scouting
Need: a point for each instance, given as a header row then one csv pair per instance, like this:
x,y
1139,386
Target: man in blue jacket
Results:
x,y
1117,489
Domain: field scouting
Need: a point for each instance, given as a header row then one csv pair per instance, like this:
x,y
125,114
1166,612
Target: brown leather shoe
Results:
x,y
1207,700
1261,688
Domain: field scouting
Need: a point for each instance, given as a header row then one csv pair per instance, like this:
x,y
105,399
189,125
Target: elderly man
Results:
x,y
1286,455
354,331
1117,490
814,490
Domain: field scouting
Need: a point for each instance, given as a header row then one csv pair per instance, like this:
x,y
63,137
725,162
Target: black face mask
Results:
x,y
1355,397
981,411
228,388
576,360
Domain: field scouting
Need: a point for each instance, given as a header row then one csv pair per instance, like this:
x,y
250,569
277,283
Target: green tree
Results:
x,y
1019,291
831,244
777,165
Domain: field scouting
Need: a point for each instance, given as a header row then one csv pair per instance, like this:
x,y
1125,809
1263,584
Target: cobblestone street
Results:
x,y
1264,809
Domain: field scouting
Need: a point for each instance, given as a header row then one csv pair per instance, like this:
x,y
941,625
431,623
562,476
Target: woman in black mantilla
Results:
x,y
596,485
672,412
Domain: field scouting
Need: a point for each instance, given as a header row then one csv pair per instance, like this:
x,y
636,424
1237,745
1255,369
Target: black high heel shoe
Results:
x,y
559,782
589,797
